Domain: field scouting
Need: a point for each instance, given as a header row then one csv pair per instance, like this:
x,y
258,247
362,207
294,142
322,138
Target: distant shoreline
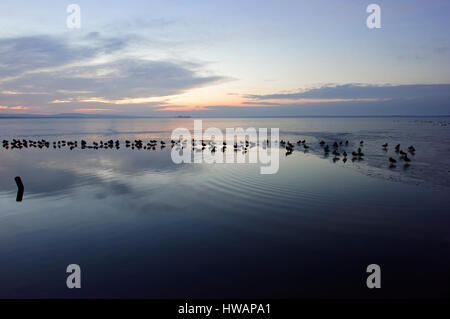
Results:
x,y
88,116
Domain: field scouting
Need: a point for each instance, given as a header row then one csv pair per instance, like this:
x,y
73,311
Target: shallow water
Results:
x,y
141,226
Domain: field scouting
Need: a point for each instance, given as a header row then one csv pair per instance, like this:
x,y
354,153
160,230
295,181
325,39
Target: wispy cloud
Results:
x,y
5,107
90,70
360,91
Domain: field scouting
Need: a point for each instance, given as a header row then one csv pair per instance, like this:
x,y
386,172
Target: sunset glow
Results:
x,y
145,60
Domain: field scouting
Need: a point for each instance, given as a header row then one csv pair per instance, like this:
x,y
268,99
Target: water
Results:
x,y
142,226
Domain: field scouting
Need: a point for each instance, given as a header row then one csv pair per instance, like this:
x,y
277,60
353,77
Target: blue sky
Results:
x,y
225,58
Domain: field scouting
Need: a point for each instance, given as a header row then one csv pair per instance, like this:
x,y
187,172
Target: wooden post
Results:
x,y
20,189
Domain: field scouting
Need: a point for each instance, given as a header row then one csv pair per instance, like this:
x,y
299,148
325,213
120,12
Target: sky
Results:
x,y
225,58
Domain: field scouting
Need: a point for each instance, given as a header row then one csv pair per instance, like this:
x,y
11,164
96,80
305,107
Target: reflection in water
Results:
x,y
431,137
141,226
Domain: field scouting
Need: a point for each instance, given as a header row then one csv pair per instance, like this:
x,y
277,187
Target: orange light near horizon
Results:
x,y
138,100
61,101
255,104
7,92
5,107
88,110
183,108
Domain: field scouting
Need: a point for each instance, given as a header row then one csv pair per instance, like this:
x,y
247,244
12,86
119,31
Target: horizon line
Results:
x,y
112,116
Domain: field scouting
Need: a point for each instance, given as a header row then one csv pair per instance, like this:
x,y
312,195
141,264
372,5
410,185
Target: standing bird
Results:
x,y
359,152
392,162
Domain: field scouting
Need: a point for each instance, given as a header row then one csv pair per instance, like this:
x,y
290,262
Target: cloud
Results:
x,y
95,73
363,91
121,79
31,53
344,100
5,107
55,72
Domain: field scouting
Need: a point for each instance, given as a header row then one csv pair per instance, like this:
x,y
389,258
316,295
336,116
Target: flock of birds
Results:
x,y
403,155
111,144
357,155
337,149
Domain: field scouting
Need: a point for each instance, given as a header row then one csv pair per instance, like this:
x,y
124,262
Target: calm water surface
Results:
x,y
141,226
